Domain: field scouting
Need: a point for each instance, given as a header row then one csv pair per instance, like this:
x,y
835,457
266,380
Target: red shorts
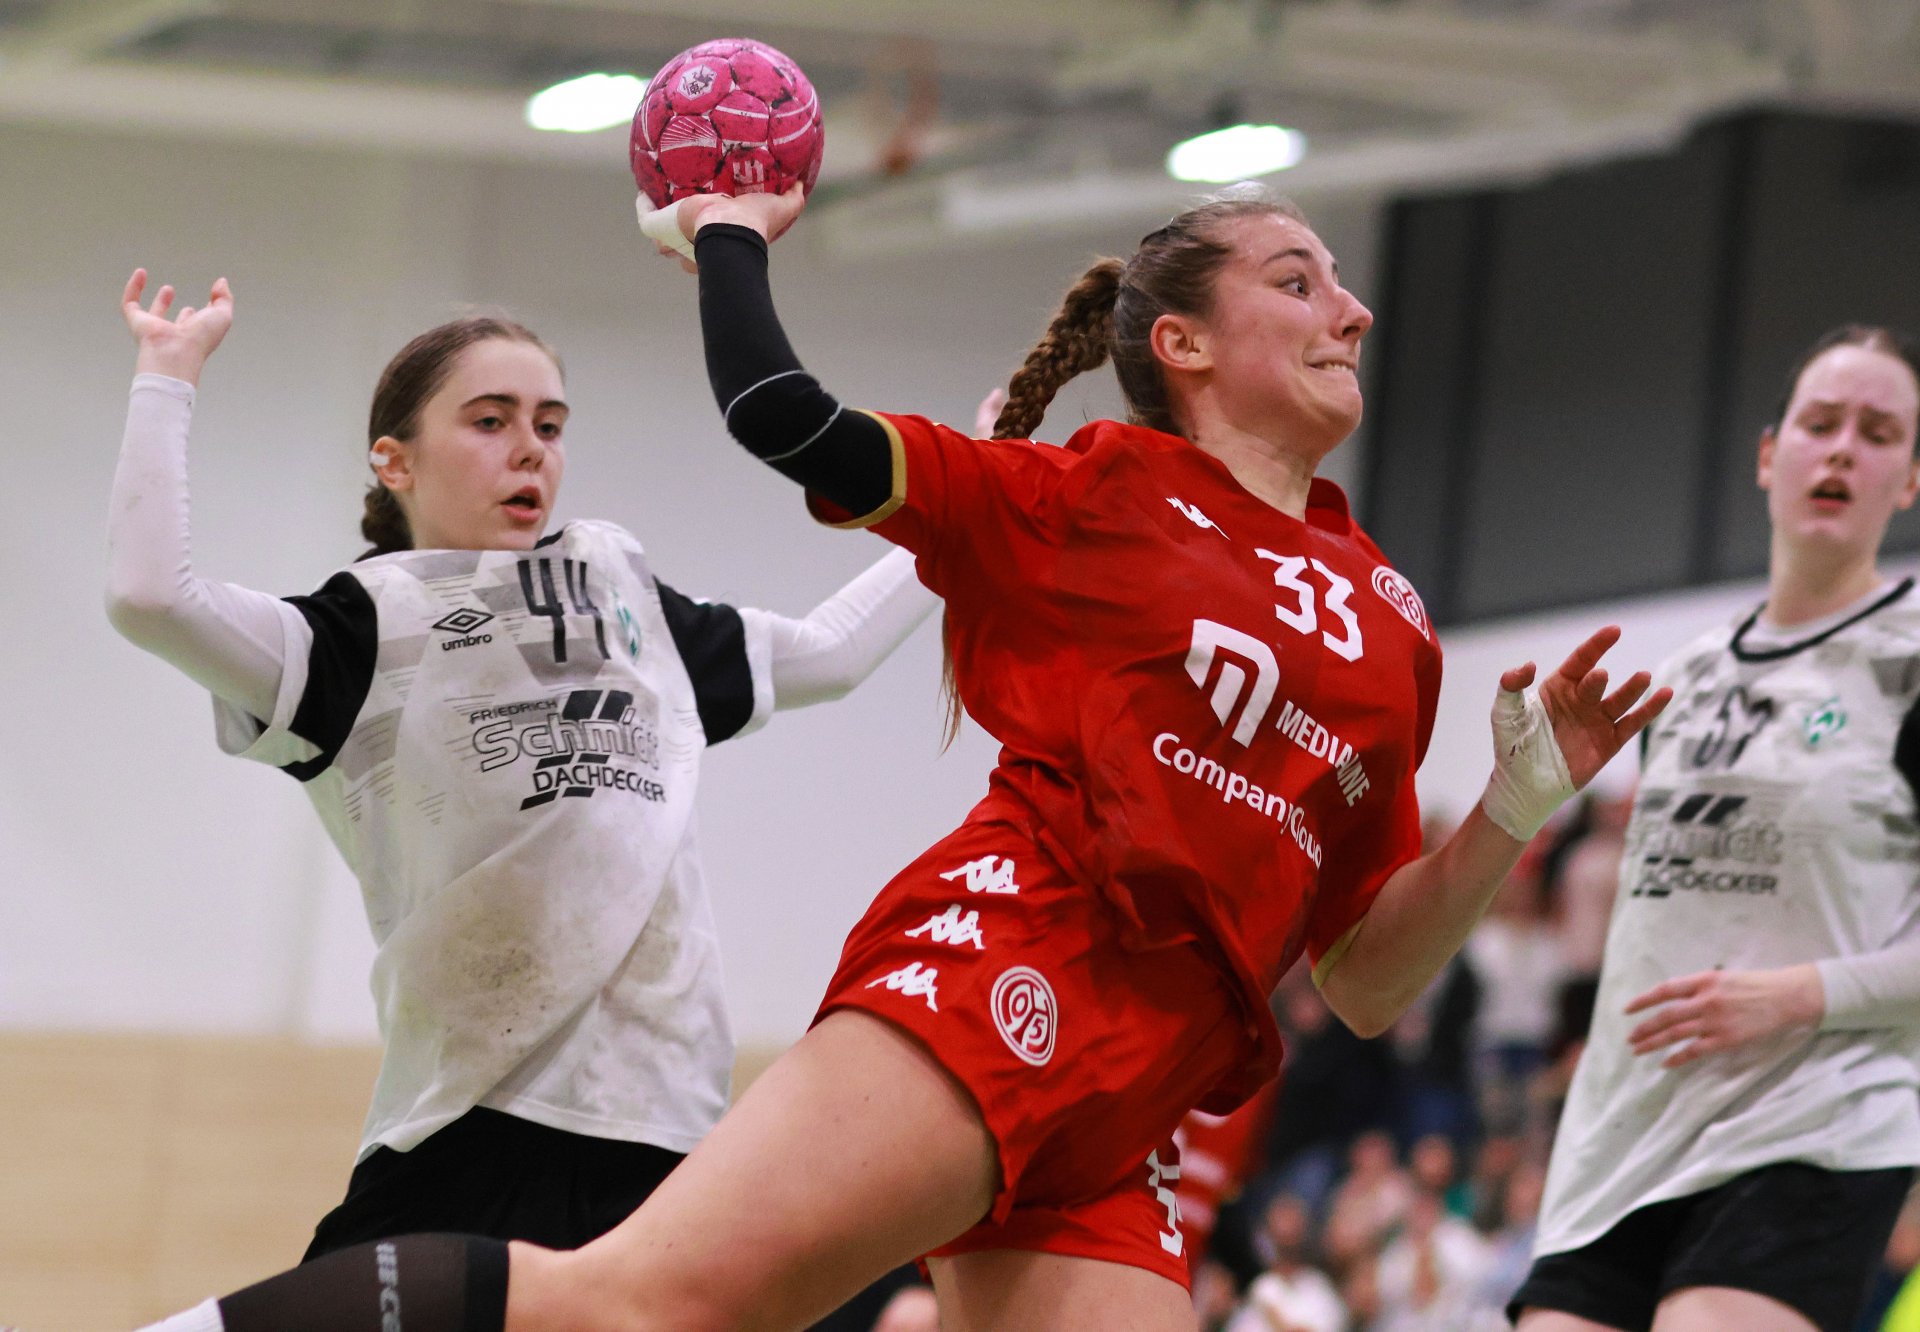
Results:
x,y
1082,1056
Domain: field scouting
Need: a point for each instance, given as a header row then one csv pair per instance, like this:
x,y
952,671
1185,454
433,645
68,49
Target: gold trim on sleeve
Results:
x,y
1332,957
899,495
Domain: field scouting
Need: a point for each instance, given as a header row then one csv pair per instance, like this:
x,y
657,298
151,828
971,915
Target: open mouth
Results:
x,y
1831,493
524,502
1338,367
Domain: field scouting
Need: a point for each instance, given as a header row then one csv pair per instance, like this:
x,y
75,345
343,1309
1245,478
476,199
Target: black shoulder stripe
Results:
x,y
712,643
346,642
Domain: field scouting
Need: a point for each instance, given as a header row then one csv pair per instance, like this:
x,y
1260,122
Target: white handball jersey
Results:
x,y
504,745
1775,824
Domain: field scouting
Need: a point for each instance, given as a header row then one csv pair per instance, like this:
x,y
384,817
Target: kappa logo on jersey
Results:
x,y
1702,828
1392,587
463,622
592,726
989,874
1026,1014
1191,512
914,981
1158,1178
950,927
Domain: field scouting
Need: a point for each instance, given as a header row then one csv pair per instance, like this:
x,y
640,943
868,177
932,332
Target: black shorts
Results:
x,y
500,1176
1809,1238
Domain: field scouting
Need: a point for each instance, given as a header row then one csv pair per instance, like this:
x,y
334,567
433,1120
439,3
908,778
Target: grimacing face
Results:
x,y
1284,336
1841,464
483,469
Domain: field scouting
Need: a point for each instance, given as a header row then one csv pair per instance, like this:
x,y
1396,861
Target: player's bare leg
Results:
x,y
1553,1320
1011,1290
1714,1308
854,1153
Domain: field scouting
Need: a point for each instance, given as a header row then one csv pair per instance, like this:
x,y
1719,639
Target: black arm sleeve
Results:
x,y
712,641
772,405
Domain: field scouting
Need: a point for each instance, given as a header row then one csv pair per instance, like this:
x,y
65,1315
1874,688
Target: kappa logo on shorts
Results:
x,y
950,927
1158,1178
914,981
989,874
1026,1013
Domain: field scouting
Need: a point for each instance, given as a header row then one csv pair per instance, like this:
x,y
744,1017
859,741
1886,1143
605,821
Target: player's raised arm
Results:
x,y
228,639
772,405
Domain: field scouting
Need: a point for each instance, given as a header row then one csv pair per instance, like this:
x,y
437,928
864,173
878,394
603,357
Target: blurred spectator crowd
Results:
x,y
1394,1183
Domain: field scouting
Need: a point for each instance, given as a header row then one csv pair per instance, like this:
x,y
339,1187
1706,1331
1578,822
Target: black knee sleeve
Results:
x,y
415,1283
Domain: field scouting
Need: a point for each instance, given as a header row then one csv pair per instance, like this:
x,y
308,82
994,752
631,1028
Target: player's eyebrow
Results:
x,y
1301,252
513,400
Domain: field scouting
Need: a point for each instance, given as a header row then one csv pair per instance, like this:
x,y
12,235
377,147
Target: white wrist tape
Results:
x,y
1530,778
662,225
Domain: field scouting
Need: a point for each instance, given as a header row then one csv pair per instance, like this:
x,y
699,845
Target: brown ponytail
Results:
x,y
1077,340
413,376
384,523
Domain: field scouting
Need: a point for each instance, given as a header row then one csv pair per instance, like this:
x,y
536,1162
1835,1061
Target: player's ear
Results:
x,y
392,462
1912,488
1764,473
1180,342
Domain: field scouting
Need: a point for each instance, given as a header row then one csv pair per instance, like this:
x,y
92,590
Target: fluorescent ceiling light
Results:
x,y
590,102
1236,153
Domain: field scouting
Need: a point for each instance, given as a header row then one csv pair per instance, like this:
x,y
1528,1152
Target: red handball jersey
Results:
x,y
1209,710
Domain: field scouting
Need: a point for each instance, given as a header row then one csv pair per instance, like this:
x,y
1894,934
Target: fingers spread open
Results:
x,y
1592,687
1585,657
1623,698
1631,724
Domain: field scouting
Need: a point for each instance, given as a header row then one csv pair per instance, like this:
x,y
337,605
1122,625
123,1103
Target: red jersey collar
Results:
x,y
1327,507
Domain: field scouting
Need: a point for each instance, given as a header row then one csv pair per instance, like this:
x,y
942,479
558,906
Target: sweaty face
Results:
x,y
1285,335
1842,460
484,467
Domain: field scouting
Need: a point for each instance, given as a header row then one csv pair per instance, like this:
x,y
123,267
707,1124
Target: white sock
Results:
x,y
200,1318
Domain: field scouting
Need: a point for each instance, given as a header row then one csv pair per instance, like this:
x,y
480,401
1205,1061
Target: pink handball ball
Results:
x,y
732,116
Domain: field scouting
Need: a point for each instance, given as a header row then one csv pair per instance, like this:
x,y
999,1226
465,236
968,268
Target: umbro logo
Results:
x,y
463,622
1191,512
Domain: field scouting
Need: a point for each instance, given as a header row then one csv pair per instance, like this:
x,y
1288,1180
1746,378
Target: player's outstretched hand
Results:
x,y
181,345
1713,1011
1590,724
1550,741
768,214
